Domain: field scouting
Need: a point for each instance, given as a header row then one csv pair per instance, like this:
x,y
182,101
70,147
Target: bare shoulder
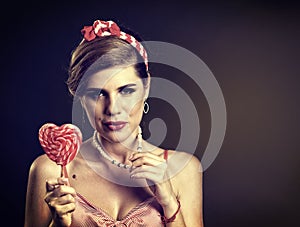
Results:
x,y
183,162
43,167
184,170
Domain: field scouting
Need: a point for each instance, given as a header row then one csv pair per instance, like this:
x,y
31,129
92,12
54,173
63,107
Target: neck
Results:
x,y
119,151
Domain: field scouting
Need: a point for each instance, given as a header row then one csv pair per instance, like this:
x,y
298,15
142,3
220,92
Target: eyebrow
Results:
x,y
119,88
125,86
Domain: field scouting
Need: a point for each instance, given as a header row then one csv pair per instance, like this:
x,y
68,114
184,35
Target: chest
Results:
x,y
115,198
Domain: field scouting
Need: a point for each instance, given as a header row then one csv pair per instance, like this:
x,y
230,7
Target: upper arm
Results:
x,y
188,186
37,212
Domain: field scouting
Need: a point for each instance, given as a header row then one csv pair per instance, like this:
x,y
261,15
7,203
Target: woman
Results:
x,y
117,178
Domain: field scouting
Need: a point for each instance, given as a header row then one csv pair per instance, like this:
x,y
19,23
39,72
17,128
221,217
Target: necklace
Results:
x,y
105,155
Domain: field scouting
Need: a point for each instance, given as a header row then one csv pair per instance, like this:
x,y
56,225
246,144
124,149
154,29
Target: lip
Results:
x,y
115,125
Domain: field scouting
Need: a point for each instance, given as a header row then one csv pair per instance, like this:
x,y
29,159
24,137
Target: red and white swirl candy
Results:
x,y
60,143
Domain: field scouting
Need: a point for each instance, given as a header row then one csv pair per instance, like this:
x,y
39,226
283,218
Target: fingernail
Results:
x,y
63,180
132,168
66,180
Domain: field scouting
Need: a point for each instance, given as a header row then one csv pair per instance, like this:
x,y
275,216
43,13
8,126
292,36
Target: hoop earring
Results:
x,y
146,107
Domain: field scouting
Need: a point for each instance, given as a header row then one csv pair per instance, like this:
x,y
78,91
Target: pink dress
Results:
x,y
146,214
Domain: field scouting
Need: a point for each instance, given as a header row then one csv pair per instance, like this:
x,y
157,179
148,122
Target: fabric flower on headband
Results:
x,y
100,28
109,28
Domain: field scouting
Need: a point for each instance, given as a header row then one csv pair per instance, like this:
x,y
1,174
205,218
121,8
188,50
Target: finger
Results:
x,y
63,190
150,169
62,210
53,183
138,155
60,191
147,160
64,200
152,176
63,181
144,168
148,172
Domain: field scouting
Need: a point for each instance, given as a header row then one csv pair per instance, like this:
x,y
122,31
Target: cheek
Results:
x,y
90,111
136,110
132,106
98,109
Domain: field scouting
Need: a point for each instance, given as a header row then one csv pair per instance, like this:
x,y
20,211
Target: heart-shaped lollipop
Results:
x,y
60,143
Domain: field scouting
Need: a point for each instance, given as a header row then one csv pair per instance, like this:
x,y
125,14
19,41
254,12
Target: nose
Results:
x,y
112,105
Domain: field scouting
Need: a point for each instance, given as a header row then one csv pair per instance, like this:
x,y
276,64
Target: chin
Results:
x,y
116,136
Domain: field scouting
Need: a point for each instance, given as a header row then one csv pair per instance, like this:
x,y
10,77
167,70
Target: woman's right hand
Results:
x,y
60,198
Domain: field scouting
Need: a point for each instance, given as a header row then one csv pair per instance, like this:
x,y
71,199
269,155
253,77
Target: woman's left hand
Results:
x,y
153,168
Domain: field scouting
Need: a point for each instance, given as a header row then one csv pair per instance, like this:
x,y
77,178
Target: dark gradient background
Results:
x,y
252,47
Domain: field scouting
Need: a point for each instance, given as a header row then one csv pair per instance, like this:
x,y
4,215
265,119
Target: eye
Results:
x,y
94,95
127,91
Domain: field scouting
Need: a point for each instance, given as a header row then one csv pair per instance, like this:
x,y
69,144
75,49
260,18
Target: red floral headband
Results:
x,y
107,28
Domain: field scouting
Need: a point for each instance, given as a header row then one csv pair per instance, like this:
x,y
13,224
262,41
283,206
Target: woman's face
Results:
x,y
114,102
